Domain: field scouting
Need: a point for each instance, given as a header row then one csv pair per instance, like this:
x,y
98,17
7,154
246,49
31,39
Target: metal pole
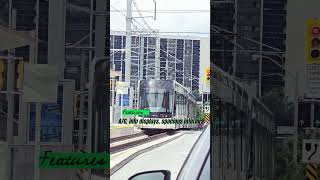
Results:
x,y
296,110
312,115
260,75
157,60
128,42
56,34
37,142
121,100
141,57
92,65
261,43
202,98
99,51
82,84
10,96
113,93
35,60
234,63
89,121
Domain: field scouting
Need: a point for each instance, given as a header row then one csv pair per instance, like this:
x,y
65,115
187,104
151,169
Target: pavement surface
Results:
x,y
169,157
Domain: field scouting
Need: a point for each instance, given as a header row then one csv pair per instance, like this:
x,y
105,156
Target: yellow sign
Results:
x,y
207,73
312,172
312,41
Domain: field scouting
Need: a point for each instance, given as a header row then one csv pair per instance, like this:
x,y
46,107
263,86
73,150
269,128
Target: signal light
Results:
x,y
316,31
315,42
312,41
315,53
208,74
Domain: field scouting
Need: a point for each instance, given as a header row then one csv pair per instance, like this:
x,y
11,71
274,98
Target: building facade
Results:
x,y
239,28
179,58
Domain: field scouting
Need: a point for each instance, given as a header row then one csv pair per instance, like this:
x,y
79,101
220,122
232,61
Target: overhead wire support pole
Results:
x,y
128,42
157,62
261,47
234,62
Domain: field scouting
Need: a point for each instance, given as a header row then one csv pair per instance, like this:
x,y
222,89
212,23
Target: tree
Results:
x,y
285,167
279,105
197,95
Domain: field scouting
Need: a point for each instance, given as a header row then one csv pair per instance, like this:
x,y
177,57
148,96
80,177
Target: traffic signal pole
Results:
x,y
296,110
10,96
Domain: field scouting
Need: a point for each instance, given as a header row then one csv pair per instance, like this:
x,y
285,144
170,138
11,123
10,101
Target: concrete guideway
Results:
x,y
127,141
169,156
118,160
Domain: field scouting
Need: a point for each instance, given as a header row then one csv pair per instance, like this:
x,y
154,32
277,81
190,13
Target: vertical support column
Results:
x,y
37,142
312,115
131,97
167,60
68,89
128,42
261,41
82,86
296,110
157,60
141,58
235,30
260,76
100,48
56,34
10,95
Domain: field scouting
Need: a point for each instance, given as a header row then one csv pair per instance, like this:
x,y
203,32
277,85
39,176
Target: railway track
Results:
x,y
122,138
127,142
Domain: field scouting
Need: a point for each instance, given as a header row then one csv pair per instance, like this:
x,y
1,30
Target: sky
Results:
x,y
197,21
165,22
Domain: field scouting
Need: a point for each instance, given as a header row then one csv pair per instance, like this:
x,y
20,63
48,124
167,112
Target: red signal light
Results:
x,y
316,31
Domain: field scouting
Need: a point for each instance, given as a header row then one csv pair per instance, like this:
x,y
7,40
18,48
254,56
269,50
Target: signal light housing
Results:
x,y
312,41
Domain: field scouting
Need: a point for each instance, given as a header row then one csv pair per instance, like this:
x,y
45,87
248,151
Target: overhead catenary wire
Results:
x,y
170,11
126,16
243,37
139,12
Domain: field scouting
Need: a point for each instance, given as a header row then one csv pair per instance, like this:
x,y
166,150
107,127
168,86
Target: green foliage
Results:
x,y
279,105
283,110
285,167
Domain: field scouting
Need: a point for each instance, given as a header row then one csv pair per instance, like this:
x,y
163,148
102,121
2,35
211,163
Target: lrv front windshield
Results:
x,y
156,96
